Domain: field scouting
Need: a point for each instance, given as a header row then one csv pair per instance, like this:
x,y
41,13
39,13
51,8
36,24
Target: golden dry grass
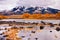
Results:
x,y
12,34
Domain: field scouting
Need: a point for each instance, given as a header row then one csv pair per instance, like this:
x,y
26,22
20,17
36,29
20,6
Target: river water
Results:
x,y
31,20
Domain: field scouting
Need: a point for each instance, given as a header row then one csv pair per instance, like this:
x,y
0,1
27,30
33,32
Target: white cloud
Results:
x,y
43,3
9,4
55,4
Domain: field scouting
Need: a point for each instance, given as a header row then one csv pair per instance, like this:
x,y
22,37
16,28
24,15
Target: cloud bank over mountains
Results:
x,y
9,4
41,3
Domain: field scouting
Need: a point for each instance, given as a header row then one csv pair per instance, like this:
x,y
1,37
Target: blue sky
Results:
x,y
9,4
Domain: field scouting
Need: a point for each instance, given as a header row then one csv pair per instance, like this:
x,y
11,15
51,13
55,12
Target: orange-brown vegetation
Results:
x,y
12,34
58,15
2,17
26,15
36,16
33,16
41,16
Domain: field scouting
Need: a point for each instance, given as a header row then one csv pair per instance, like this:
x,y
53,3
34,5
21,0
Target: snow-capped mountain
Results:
x,y
34,10
31,10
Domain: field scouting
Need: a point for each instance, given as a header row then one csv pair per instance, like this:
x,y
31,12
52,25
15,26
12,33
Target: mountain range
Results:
x,y
31,10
